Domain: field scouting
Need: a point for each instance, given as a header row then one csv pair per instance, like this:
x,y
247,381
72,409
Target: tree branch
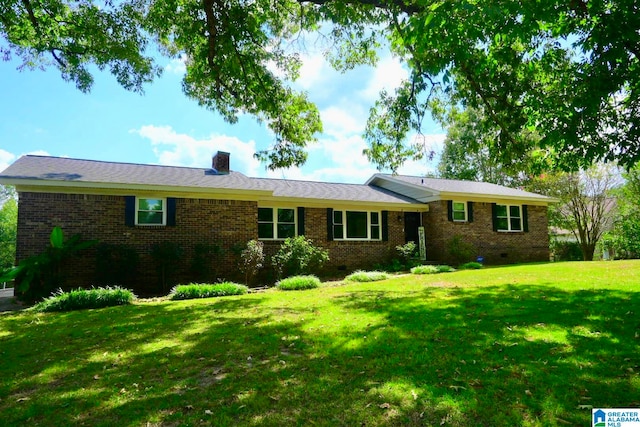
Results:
x,y
409,9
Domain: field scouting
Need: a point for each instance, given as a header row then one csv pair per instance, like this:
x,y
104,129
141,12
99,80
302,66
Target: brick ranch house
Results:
x,y
360,224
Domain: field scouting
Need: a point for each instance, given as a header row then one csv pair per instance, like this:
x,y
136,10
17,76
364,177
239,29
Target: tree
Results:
x,y
7,192
468,151
564,68
624,238
586,206
8,233
8,226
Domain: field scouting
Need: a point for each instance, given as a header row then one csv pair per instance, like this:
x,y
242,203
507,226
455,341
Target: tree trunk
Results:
x,y
588,251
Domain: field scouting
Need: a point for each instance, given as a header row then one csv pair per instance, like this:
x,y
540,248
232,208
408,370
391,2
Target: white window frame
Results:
x,y
138,210
275,223
369,226
464,211
509,217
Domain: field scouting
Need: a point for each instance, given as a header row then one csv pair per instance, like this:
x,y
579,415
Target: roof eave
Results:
x,y
324,203
50,186
382,177
543,200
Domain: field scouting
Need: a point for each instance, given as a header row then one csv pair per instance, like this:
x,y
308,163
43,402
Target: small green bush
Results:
x,y
367,276
424,269
80,299
471,266
432,269
296,283
394,266
298,256
251,259
206,290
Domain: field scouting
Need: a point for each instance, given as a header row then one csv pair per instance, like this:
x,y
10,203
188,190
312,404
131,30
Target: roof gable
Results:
x,y
432,189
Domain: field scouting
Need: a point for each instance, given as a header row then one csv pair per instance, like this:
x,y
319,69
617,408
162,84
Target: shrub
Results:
x,y
202,265
395,266
367,276
206,290
167,257
80,299
460,251
251,259
471,266
565,251
297,256
407,252
432,269
38,275
296,283
116,264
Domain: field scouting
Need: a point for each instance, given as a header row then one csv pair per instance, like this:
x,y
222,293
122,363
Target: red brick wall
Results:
x,y
229,224
495,247
348,256
199,221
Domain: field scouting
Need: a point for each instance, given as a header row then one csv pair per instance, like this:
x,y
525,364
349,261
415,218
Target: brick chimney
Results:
x,y
220,162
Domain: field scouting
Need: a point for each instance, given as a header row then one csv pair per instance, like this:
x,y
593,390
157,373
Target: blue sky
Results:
x,y
42,114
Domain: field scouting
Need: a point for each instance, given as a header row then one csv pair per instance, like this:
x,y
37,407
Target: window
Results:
x,y
151,211
459,211
356,225
276,223
508,217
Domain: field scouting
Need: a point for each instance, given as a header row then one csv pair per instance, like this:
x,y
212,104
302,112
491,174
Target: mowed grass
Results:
x,y
534,345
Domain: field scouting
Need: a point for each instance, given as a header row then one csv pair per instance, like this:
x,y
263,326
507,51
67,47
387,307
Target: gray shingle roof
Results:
x,y
466,187
46,170
330,191
101,174
92,171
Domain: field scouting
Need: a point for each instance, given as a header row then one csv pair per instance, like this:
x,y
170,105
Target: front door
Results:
x,y
411,224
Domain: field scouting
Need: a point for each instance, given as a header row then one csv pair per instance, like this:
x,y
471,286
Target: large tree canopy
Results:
x,y
567,69
469,152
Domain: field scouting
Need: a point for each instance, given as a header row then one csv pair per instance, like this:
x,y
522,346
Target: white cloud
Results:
x,y
172,148
315,71
388,74
177,65
341,121
6,158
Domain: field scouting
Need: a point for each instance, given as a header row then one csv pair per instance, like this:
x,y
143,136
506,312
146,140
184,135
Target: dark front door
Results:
x,y
411,224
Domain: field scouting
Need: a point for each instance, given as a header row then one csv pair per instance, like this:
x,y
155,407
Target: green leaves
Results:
x,y
56,238
568,70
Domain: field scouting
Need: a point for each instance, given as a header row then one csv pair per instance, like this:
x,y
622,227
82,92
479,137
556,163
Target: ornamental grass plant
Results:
x,y
207,290
367,276
80,299
297,283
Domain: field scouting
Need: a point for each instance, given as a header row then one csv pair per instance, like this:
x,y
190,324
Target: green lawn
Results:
x,y
535,345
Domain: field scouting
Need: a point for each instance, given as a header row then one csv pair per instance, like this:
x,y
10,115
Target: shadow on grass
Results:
x,y
501,355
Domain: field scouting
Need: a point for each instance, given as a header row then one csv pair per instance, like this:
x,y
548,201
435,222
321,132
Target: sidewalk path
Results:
x,y
6,301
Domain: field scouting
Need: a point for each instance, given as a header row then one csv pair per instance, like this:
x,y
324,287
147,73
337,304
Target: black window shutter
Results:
x,y
450,210
329,224
525,219
470,211
171,211
494,216
130,211
385,226
300,221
